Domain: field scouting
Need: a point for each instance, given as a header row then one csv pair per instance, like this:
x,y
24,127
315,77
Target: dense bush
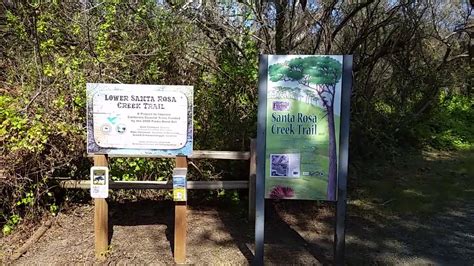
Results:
x,y
450,126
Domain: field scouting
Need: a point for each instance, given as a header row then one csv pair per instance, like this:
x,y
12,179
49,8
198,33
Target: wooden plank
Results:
x,y
85,184
240,184
141,185
203,154
35,237
2,168
223,155
101,218
252,176
180,223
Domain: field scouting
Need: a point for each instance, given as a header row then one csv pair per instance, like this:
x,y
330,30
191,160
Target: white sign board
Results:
x,y
126,119
99,182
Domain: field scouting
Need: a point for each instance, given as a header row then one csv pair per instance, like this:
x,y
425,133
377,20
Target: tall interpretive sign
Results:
x,y
303,135
139,120
302,121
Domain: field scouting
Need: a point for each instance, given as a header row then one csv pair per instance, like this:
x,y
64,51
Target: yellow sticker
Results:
x,y
179,194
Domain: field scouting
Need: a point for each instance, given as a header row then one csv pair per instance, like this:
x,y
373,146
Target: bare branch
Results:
x,y
348,17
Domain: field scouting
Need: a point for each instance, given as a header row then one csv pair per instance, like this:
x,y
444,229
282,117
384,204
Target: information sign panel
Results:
x,y
303,136
139,120
302,126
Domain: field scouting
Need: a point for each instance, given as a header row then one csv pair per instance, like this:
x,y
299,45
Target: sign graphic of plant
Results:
x,y
319,74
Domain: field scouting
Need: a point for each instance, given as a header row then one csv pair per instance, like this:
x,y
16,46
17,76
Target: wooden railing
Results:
x,y
101,207
198,154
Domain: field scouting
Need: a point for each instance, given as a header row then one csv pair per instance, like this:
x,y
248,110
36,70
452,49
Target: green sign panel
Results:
x,y
302,126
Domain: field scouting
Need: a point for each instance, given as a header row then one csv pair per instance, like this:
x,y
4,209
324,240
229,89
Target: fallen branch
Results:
x,y
37,235
387,202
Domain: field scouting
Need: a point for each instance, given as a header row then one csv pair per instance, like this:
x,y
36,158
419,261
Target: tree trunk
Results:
x,y
332,175
280,8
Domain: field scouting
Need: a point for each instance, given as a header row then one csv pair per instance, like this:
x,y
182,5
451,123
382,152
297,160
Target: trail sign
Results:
x,y
139,120
303,110
303,135
125,120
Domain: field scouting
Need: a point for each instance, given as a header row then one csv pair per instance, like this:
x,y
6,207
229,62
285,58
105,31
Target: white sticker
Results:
x,y
99,182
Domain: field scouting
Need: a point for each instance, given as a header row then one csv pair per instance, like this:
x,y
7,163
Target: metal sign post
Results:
x,y
340,226
260,181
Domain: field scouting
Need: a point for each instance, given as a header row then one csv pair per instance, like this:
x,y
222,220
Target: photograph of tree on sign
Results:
x,y
303,116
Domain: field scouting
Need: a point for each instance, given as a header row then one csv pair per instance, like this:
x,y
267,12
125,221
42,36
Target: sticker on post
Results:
x,y
179,188
99,182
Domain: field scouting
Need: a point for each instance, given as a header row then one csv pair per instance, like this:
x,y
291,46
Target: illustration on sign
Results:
x,y
139,120
302,126
99,182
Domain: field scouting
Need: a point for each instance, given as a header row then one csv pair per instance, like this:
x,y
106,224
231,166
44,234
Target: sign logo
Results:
x,y
281,106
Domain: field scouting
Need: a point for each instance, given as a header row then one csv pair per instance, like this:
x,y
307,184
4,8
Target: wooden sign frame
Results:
x,y
123,107
101,219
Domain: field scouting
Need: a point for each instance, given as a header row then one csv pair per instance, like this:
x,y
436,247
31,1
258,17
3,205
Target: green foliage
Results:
x,y
28,200
131,169
226,100
18,131
421,184
11,223
52,50
451,125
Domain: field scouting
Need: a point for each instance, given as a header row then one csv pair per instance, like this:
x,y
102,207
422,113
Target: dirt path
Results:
x,y
416,222
142,234
446,238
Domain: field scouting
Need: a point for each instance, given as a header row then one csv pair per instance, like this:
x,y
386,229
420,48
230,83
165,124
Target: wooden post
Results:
x,y
180,224
252,176
101,218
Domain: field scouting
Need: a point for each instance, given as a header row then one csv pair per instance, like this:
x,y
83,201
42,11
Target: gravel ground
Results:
x,y
381,230
301,233
142,233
